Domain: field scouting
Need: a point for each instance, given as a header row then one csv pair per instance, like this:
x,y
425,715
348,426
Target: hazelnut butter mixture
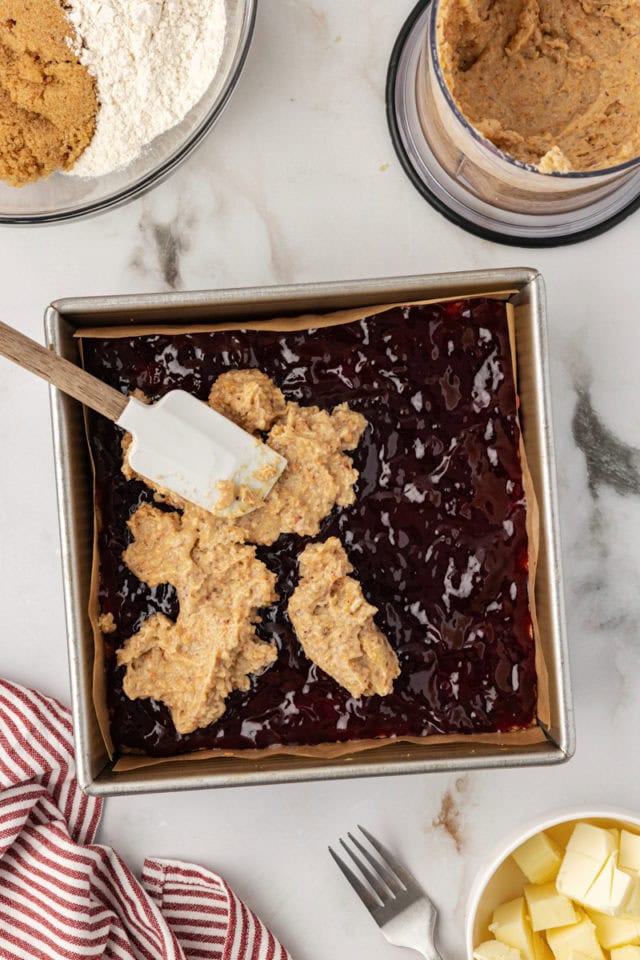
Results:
x,y
335,623
318,476
553,83
48,100
194,663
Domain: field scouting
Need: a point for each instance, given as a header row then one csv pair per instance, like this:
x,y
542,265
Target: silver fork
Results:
x,y
405,914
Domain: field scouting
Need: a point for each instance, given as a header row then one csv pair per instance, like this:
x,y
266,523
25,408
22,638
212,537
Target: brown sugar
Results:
x,y
48,101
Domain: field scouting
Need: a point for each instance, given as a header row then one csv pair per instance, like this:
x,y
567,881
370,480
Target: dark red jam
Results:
x,y
436,536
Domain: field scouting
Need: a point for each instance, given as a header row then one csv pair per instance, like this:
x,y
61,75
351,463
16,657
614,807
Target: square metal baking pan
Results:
x,y
74,487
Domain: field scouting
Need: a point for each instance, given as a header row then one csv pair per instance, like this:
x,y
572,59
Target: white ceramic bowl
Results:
x,y
501,879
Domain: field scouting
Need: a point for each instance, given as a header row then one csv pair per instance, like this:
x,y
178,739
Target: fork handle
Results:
x,y
69,378
414,928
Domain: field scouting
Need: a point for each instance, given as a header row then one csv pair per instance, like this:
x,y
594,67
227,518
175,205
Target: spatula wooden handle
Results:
x,y
66,376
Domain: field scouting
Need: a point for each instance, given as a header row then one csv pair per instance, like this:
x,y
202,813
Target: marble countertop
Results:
x,y
299,182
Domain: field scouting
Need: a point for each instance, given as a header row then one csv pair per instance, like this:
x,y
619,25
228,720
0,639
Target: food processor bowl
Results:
x,y
469,179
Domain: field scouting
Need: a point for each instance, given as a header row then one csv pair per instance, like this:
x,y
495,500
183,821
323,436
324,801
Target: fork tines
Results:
x,y
386,879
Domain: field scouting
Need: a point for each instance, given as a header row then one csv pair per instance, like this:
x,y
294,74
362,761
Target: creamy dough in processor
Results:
x,y
553,83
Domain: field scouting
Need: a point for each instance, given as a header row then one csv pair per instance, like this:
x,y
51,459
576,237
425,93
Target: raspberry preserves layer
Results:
x,y
437,535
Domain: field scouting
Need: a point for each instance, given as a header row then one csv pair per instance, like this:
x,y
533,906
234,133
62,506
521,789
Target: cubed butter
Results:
x,y
598,895
577,938
625,953
539,858
615,931
495,950
587,853
611,890
577,875
629,858
540,949
594,842
632,906
511,925
548,908
624,894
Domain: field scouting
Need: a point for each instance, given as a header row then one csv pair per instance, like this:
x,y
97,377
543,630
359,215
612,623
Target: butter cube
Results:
x,y
495,950
577,875
539,858
625,953
577,938
591,841
625,895
598,895
611,890
510,925
629,858
588,851
615,931
632,906
548,908
540,949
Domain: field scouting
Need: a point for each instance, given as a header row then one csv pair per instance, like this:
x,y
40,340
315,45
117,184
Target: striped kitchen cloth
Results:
x,y
63,896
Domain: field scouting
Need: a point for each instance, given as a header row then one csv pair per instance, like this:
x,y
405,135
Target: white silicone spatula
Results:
x,y
179,443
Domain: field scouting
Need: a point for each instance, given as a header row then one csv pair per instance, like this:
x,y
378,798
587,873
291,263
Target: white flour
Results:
x,y
152,60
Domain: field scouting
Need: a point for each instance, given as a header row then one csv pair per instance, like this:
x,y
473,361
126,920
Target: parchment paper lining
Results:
x,y
325,751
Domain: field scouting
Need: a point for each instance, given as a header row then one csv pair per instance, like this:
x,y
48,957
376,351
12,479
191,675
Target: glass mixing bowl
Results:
x,y
473,182
62,197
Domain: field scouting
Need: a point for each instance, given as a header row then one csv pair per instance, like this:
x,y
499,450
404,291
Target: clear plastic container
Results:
x,y
63,197
470,179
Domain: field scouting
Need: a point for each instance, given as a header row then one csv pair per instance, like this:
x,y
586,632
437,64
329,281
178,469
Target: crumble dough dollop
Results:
x,y
335,625
48,100
553,83
319,475
212,648
192,665
249,398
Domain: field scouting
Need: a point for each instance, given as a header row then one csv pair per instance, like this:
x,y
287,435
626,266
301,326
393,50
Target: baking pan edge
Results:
x,y
63,316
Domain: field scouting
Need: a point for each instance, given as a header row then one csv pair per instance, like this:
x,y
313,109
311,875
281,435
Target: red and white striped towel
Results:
x,y
62,896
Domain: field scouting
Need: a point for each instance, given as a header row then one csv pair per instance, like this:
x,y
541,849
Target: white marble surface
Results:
x,y
299,182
